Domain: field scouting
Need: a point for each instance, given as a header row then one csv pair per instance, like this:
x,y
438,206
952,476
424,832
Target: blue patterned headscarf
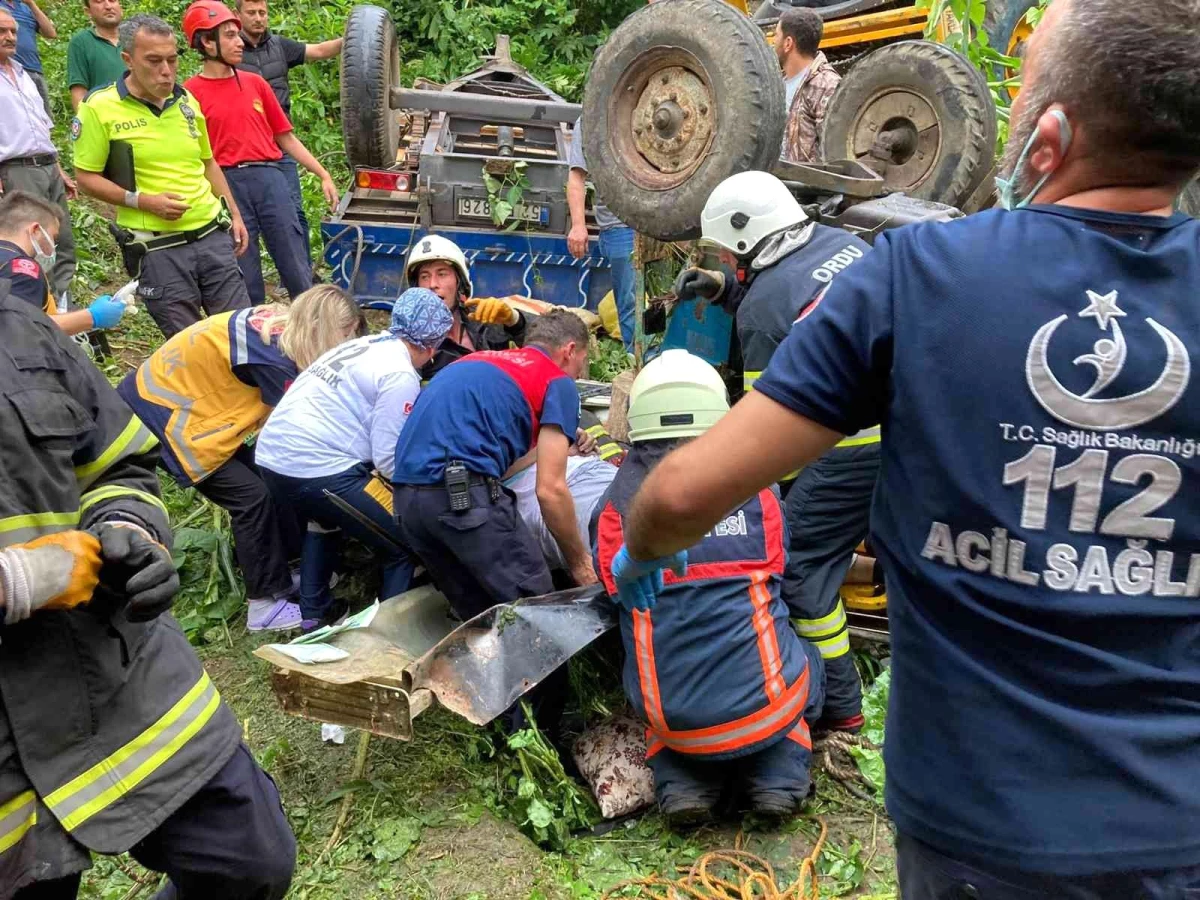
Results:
x,y
421,318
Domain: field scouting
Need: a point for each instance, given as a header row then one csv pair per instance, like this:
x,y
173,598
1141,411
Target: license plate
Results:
x,y
477,208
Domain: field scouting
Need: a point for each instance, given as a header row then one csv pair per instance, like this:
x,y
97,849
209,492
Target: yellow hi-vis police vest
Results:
x,y
199,395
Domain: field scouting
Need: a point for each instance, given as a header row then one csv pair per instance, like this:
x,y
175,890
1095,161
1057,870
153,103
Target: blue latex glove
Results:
x,y
639,581
106,312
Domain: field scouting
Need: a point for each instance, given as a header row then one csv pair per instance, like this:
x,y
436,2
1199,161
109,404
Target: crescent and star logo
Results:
x,y
1108,359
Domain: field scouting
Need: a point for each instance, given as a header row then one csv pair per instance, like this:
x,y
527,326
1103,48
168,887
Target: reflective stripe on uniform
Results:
x,y
800,734
33,525
108,492
133,440
377,490
768,644
643,642
834,647
742,732
607,447
177,424
122,771
824,627
871,435
17,816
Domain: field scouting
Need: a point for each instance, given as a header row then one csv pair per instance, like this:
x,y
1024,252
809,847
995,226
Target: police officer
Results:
x,y
468,427
112,737
273,56
713,668
437,263
780,263
249,133
141,144
1034,369
28,231
210,388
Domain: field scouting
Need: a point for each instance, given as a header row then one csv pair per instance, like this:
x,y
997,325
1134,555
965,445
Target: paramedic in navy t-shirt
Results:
x,y
1037,375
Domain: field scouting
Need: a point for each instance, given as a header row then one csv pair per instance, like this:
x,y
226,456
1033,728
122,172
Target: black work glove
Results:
x,y
137,570
706,283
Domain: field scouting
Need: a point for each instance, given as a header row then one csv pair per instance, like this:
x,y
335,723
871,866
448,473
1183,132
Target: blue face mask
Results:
x,y
1007,187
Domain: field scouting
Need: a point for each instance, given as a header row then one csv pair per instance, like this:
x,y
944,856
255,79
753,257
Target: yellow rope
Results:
x,y
753,878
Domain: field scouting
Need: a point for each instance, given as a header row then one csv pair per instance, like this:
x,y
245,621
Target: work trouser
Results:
x,y
828,515
616,244
46,182
291,171
265,534
178,283
230,840
928,874
779,771
358,487
264,199
477,558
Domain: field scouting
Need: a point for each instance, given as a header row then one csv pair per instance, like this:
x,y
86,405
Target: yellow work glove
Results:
x,y
58,571
493,311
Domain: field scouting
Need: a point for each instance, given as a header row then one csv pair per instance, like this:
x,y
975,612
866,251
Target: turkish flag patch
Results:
x,y
804,313
23,265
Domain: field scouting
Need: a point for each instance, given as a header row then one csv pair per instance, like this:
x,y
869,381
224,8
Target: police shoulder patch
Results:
x,y
76,128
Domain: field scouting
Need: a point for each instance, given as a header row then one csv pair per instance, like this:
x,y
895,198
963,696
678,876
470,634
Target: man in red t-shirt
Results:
x,y
250,132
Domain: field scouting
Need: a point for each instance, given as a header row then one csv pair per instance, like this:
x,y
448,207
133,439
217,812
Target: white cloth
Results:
x,y
588,478
26,130
346,408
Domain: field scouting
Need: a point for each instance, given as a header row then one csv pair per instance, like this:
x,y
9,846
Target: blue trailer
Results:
x,y
423,161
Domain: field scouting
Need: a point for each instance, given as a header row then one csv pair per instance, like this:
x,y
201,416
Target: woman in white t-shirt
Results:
x,y
335,433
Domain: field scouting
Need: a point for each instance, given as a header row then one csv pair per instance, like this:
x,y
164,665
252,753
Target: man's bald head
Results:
x,y
8,36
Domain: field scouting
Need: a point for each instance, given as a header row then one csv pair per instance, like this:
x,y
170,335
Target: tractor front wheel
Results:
x,y
920,115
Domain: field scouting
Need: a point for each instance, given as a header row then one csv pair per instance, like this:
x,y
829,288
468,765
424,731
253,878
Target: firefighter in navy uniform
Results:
x,y
112,736
724,685
783,262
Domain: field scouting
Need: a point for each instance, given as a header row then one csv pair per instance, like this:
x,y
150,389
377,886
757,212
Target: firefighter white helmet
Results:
x,y
745,209
676,395
434,247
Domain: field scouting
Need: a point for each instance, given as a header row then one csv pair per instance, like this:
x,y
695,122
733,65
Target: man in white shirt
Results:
x,y
28,160
335,432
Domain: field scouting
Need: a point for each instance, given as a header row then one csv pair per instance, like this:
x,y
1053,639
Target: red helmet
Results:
x,y
204,15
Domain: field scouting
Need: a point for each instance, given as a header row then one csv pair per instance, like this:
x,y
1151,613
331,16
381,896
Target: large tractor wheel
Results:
x,y
920,115
1008,32
683,94
370,68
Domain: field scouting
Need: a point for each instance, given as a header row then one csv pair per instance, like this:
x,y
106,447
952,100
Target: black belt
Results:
x,y
273,163
38,159
472,479
165,240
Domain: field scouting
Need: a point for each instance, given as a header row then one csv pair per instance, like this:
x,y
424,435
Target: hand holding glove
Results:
x,y
493,311
58,571
693,283
639,582
106,312
137,569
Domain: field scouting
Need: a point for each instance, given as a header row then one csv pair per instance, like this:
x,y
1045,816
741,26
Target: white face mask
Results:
x,y
45,258
1007,187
